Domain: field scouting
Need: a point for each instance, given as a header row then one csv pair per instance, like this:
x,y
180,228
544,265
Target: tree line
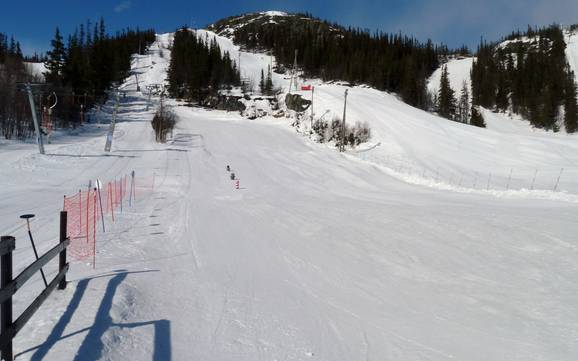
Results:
x,y
198,67
528,75
15,118
91,61
79,72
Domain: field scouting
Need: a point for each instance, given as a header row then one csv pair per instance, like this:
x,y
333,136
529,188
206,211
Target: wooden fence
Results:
x,y
9,285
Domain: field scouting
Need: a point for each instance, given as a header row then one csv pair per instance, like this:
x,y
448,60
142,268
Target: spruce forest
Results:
x,y
79,72
530,76
390,62
90,62
14,115
198,67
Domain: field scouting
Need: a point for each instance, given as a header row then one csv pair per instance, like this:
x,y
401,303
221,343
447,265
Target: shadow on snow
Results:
x,y
92,345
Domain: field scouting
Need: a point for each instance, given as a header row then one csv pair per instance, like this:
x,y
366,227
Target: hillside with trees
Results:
x,y
90,62
390,62
15,118
527,74
198,68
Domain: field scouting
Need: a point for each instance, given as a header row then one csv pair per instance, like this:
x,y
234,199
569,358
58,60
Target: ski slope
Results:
x,y
458,73
319,255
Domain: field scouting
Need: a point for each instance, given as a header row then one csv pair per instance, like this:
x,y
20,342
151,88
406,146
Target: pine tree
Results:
x,y
262,82
464,104
570,106
477,119
446,106
269,82
56,60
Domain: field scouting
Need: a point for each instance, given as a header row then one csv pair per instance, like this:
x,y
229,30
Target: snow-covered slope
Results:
x,y
319,255
571,39
459,72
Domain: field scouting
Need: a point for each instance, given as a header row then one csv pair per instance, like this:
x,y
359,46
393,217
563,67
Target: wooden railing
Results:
x,y
9,286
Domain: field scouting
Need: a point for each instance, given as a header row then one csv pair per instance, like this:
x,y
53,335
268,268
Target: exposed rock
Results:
x,y
297,103
224,102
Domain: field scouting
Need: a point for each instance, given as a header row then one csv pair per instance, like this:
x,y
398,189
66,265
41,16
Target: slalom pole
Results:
x,y
27,217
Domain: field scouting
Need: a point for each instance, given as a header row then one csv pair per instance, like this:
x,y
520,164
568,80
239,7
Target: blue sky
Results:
x,y
453,22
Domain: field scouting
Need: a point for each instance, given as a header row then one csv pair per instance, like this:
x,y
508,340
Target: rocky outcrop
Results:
x,y
296,103
224,102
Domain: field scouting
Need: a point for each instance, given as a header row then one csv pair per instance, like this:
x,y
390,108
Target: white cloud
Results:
x,y
122,6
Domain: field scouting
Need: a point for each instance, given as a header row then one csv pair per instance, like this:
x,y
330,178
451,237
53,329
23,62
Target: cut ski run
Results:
x,y
319,255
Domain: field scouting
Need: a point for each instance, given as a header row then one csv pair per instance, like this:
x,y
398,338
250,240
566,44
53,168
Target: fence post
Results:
x,y
558,180
80,212
534,180
6,307
62,257
87,211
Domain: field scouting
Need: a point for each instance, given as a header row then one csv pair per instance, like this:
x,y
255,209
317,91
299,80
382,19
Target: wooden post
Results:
x,y
62,257
6,307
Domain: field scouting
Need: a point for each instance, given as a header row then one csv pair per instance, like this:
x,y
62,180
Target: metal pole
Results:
x,y
312,93
342,145
110,133
558,180
39,139
27,218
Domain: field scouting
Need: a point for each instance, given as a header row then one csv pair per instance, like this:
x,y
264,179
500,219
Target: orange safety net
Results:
x,y
87,210
81,228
